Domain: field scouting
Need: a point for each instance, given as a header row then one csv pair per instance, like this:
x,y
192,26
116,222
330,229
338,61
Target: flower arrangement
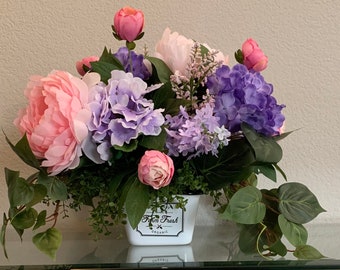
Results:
x,y
135,131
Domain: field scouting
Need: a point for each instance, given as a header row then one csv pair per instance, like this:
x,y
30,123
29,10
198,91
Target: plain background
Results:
x,y
300,37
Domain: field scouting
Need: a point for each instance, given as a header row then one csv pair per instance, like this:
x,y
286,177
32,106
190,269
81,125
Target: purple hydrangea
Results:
x,y
137,60
244,96
195,135
120,113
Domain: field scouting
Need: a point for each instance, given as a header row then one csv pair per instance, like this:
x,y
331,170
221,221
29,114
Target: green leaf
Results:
x,y
127,147
56,189
296,234
266,149
40,193
106,64
24,219
19,191
48,242
278,248
267,170
162,70
297,203
23,150
239,56
278,168
137,201
307,252
41,220
245,206
154,142
12,213
3,235
233,164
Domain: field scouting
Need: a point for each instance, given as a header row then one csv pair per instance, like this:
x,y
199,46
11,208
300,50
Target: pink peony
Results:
x,y
87,62
155,169
174,49
55,119
128,23
253,57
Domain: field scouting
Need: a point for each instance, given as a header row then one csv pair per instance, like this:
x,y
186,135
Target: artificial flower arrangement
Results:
x,y
138,131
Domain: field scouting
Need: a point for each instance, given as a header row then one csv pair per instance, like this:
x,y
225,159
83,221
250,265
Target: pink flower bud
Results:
x,y
87,62
128,23
155,169
253,57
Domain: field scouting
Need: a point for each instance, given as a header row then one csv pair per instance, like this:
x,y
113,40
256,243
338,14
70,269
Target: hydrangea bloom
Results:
x,y
244,96
120,113
195,135
137,61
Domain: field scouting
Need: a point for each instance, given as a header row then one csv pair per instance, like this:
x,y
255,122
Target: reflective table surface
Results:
x,y
212,248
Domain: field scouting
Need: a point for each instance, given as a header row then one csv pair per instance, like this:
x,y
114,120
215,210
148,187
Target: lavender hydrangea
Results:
x,y
195,135
244,96
136,60
120,113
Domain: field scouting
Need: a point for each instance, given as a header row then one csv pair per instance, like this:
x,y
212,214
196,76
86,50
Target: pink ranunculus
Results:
x,y
55,119
253,57
174,49
87,62
128,23
155,169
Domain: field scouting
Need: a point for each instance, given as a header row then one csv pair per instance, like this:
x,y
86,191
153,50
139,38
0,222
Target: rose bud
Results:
x,y
85,62
253,57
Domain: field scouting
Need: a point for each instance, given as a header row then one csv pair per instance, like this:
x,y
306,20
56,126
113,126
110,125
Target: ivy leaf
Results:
x,y
137,201
245,206
296,234
48,242
24,219
297,203
41,220
3,235
23,150
56,189
266,149
40,193
307,252
19,191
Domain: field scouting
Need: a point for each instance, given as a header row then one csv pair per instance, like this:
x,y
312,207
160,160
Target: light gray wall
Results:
x,y
300,37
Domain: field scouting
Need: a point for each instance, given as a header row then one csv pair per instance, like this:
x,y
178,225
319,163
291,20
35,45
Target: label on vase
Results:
x,y
169,223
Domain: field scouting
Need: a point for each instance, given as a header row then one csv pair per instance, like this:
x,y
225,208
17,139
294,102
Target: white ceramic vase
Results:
x,y
173,227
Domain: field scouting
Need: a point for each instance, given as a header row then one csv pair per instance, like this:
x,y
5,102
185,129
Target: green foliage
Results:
x,y
48,242
297,203
296,234
246,206
307,252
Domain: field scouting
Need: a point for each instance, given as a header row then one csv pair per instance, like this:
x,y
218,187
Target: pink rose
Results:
x,y
253,57
155,169
85,62
128,23
55,119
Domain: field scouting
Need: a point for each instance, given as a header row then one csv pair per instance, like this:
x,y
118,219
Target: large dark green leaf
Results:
x,y
40,192
137,202
233,164
296,234
48,242
162,70
267,170
278,248
56,189
297,203
105,65
23,150
24,219
19,191
154,142
245,206
266,149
